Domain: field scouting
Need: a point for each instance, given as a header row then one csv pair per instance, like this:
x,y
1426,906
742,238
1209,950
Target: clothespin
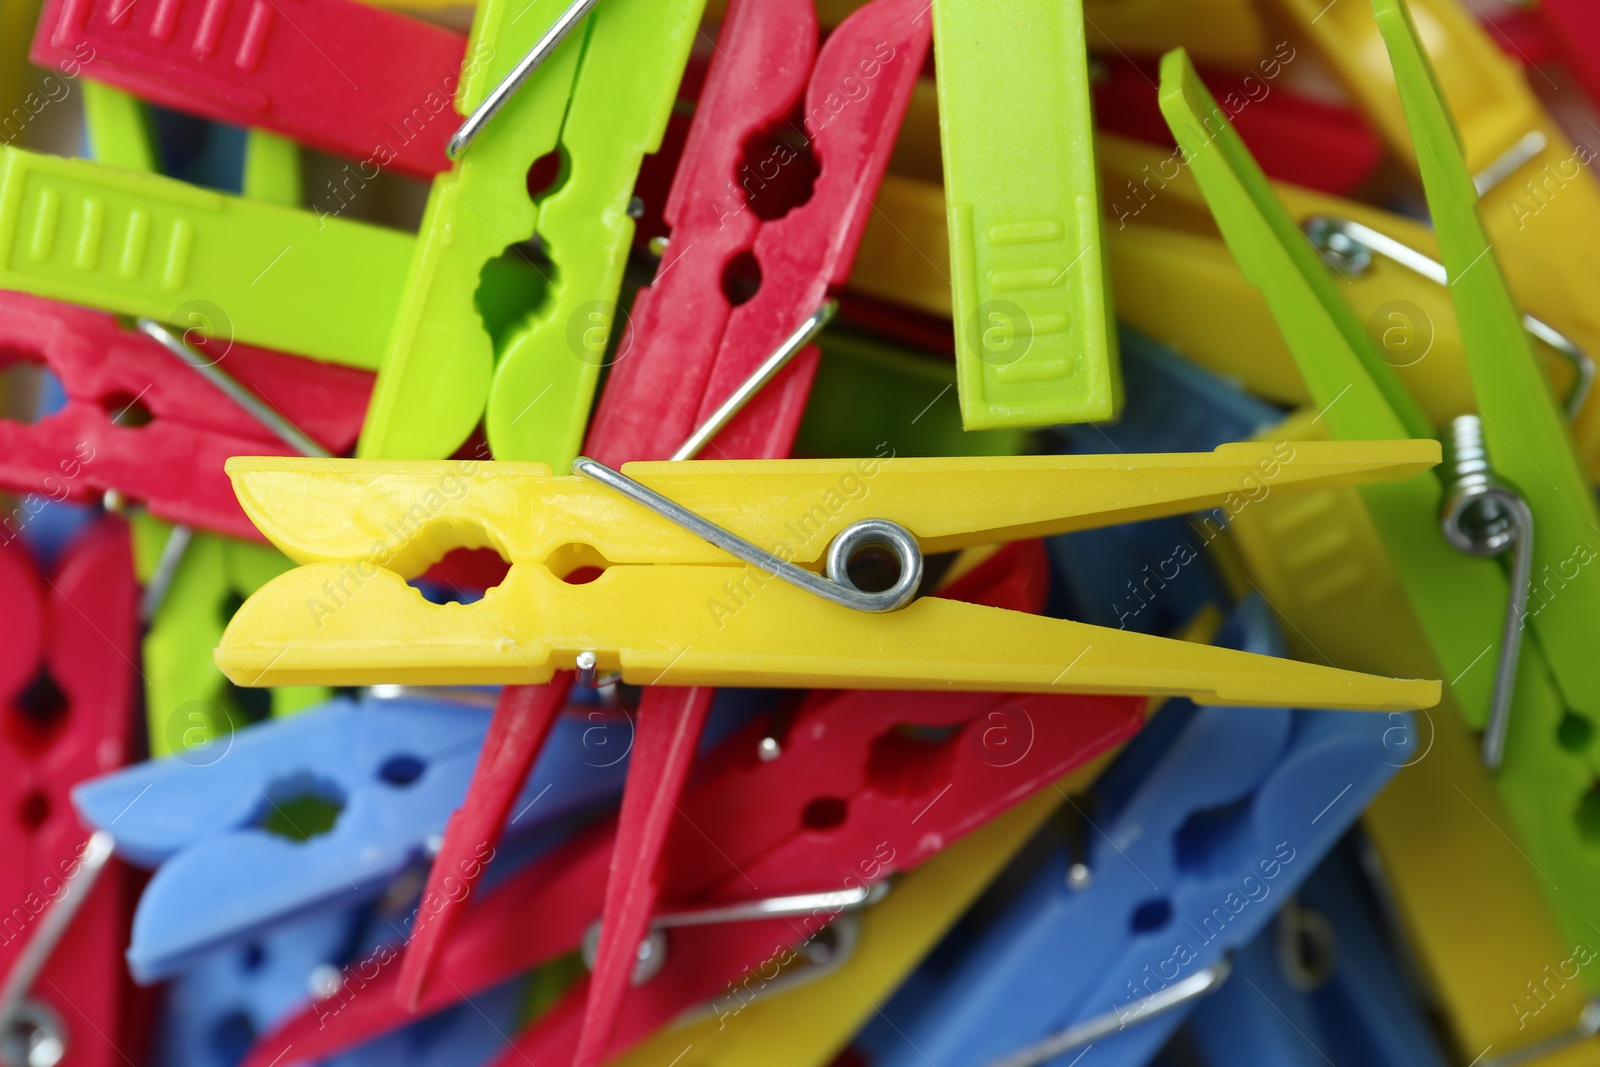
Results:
x,y
1322,146
1528,172
818,819
139,422
1035,340
1336,359
806,1025
345,77
144,245
851,94
1227,33
1319,982
1182,286
66,675
227,845
590,114
330,514
1207,822
1574,29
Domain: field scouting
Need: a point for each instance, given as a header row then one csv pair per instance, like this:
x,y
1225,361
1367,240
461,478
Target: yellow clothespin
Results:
x,y
1224,33
709,573
1534,182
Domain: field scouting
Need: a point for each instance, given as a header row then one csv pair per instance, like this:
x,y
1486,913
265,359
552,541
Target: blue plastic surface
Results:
x,y
1204,826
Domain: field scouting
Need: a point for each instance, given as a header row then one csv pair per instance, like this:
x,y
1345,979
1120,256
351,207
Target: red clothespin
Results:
x,y
1296,139
1572,27
687,350
67,675
848,790
346,77
138,421
688,346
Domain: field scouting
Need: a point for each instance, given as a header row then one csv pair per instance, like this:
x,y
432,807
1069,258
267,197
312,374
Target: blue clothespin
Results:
x,y
220,823
1153,577
1323,986
1208,822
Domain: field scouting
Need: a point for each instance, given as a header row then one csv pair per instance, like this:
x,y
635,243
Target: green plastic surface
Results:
x,y
271,168
142,244
602,102
1459,599
118,127
188,703
1035,336
1529,440
867,393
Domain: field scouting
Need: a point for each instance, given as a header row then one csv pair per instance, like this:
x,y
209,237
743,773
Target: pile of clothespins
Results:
x,y
874,533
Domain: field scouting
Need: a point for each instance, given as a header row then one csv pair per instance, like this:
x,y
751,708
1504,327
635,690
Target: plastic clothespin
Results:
x,y
1574,28
1035,336
342,76
688,346
1320,981
1322,146
590,113
139,422
1228,33
67,678
226,843
818,819
1206,823
809,1022
1180,285
1358,565
145,245
1535,192
329,515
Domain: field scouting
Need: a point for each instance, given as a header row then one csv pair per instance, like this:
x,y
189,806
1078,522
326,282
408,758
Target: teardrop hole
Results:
x,y
402,770
778,170
1575,733
462,576
825,813
577,563
513,287
741,279
1588,815
548,174
33,811
28,391
301,807
127,410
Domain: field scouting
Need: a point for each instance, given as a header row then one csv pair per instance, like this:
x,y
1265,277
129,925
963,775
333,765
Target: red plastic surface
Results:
x,y
1574,28
688,346
1296,139
349,78
78,633
172,463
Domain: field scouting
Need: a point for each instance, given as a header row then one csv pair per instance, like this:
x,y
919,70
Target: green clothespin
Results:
x,y
271,169
1529,441
188,703
1358,394
1035,336
1455,596
146,245
118,127
875,392
599,104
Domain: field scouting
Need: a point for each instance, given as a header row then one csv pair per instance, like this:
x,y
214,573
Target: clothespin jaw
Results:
x,y
343,519
591,113
145,245
1035,337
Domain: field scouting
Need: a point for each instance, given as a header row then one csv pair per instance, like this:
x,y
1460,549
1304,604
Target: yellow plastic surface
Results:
x,y
1532,215
809,1025
1177,283
671,609
1227,33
